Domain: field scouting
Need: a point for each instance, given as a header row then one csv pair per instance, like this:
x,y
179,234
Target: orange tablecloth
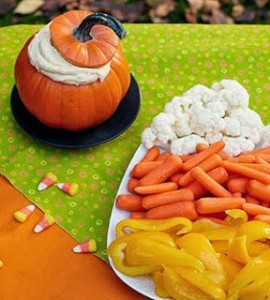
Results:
x,y
43,266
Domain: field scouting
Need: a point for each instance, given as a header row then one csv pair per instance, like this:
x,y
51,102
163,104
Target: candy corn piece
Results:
x,y
47,181
86,247
69,188
44,223
22,214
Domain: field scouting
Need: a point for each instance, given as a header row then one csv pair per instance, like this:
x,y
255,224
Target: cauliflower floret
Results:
x,y
203,120
148,137
232,94
216,108
232,127
200,93
251,123
163,127
265,137
213,137
187,144
236,145
174,107
182,125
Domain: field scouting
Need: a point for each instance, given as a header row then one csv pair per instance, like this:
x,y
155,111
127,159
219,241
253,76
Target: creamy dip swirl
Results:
x,y
48,61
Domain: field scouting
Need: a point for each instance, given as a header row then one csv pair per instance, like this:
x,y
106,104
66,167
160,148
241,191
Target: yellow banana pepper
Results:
x,y
254,230
237,249
160,236
116,253
152,252
220,234
159,285
252,273
179,288
205,224
256,248
220,246
256,290
202,281
236,216
230,267
199,246
173,225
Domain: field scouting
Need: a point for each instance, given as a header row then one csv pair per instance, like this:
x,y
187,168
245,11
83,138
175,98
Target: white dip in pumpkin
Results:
x,y
47,60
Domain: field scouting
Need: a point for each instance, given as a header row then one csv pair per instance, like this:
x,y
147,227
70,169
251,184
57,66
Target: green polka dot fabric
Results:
x,y
166,60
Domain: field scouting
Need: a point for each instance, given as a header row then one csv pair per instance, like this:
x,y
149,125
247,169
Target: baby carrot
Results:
x,y
199,157
132,183
137,215
237,195
155,200
255,209
259,167
185,157
260,160
223,154
151,154
200,147
243,158
156,188
265,156
264,203
251,199
246,171
260,150
219,174
259,190
144,167
263,218
162,172
209,205
175,177
163,155
210,163
185,209
239,184
129,202
209,183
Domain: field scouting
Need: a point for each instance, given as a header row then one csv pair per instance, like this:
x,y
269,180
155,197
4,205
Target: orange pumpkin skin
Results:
x,y
67,106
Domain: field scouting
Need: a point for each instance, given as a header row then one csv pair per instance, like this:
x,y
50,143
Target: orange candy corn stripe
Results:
x,y
86,247
69,188
48,180
46,221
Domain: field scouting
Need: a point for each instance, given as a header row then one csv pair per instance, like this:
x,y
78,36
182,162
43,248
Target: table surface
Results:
x,y
166,60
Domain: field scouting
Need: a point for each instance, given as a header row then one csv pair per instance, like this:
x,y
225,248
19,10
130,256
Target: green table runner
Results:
x,y
166,60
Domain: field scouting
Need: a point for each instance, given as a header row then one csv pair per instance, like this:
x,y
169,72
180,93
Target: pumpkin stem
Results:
x,y
82,32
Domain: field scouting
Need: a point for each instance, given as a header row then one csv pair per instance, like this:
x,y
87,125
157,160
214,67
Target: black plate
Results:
x,y
122,119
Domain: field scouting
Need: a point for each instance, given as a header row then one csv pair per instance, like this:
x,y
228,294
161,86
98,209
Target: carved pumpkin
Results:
x,y
73,73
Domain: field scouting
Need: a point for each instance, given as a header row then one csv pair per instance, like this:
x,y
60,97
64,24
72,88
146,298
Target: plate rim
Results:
x,y
83,133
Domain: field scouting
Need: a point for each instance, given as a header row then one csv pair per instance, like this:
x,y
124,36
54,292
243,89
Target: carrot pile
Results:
x,y
206,183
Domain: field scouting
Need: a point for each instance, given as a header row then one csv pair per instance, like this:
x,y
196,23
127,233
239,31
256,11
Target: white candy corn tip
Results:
x,y
42,186
77,249
31,207
38,228
60,185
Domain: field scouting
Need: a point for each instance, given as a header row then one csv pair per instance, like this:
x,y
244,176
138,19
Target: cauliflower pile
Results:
x,y
206,115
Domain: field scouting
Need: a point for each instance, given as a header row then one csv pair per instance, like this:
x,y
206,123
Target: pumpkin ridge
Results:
x,y
96,57
107,50
112,87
